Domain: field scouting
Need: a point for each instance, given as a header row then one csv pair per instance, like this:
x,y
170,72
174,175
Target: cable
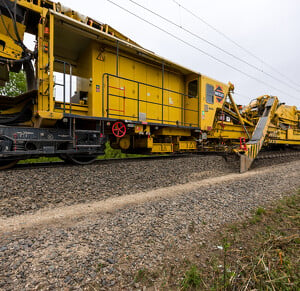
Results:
x,y
215,46
235,43
15,24
19,42
202,51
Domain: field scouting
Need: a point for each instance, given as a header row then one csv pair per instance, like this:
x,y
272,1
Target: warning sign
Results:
x,y
219,94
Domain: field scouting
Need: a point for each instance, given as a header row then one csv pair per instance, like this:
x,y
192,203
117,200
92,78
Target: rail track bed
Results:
x,y
29,189
33,187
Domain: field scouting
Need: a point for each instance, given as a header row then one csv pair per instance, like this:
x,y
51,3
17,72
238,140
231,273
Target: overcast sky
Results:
x,y
269,29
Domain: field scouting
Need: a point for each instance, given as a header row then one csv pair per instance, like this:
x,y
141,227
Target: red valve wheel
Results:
x,y
119,129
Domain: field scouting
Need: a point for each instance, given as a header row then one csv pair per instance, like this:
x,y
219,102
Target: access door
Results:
x,y
192,101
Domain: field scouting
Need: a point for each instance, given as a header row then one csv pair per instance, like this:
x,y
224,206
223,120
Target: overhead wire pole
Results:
x,y
214,45
236,43
202,51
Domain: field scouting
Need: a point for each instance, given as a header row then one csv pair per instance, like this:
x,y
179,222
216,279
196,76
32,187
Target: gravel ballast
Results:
x,y
28,190
108,249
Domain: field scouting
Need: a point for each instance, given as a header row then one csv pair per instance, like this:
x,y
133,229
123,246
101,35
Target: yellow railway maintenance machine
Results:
x,y
87,83
265,121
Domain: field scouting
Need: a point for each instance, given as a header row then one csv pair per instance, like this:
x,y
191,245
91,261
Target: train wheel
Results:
x,y
7,164
118,129
80,159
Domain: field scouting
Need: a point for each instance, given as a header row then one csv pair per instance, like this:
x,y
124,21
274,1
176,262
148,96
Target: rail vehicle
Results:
x,y
88,84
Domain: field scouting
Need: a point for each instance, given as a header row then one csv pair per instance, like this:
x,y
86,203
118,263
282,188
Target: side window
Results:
x,y
210,93
193,89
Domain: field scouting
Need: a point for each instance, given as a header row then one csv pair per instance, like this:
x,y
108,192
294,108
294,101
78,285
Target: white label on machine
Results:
x,y
171,101
142,116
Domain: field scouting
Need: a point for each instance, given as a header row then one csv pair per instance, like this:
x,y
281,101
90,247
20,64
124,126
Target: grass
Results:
x,y
141,275
145,277
40,160
257,217
260,253
109,153
192,279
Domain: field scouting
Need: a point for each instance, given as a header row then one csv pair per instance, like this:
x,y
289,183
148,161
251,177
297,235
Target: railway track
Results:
x,y
100,161
262,156
272,155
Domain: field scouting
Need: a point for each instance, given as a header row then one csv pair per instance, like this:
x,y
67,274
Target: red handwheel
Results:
x,y
119,129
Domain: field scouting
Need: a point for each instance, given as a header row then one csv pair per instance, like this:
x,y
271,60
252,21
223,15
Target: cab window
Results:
x,y
210,93
193,89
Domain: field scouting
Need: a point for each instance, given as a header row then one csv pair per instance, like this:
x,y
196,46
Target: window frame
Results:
x,y
197,89
212,100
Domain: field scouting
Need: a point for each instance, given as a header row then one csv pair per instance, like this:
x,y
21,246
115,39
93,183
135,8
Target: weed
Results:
x,y
234,228
225,245
40,160
140,276
258,254
258,215
100,266
146,276
260,211
192,279
255,219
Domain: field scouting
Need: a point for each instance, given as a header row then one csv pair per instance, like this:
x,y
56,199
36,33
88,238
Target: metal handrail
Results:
x,y
107,75
149,85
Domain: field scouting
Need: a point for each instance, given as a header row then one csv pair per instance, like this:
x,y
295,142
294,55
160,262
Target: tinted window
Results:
x,y
210,93
193,89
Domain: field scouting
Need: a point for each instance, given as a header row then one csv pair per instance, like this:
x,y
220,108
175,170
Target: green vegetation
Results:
x,y
109,153
40,160
15,86
242,256
145,277
192,279
259,254
141,275
258,215
260,211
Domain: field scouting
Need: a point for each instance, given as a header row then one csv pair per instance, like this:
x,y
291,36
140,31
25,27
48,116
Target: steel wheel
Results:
x,y
80,159
7,164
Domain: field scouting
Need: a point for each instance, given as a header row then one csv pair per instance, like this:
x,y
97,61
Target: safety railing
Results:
x,y
107,111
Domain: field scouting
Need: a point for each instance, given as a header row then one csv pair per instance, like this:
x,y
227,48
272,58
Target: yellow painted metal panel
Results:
x,y
162,148
208,110
228,131
187,145
171,131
